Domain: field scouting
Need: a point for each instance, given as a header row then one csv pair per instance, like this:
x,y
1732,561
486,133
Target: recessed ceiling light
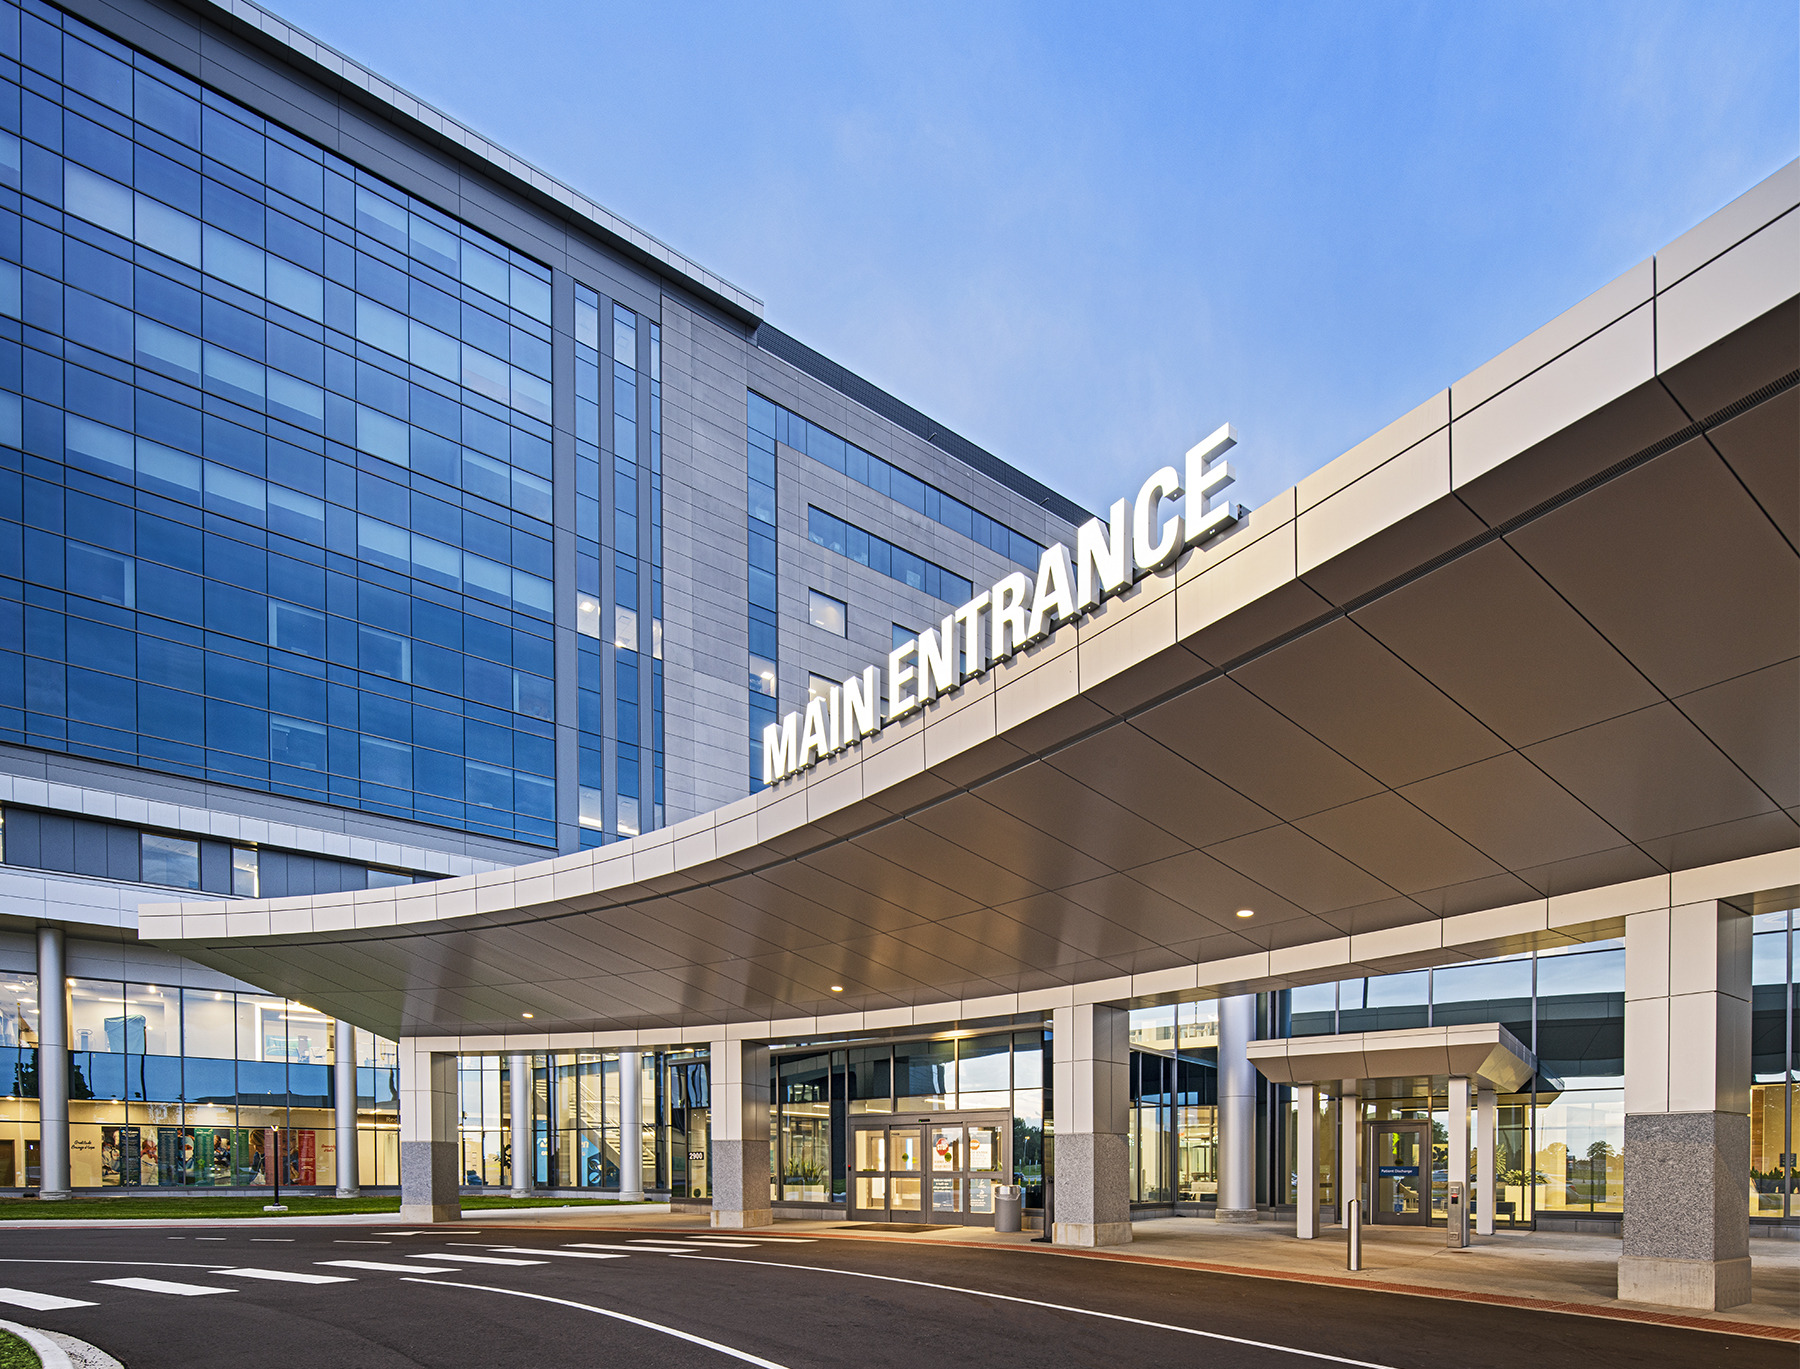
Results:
x,y
837,988
525,1014
1246,912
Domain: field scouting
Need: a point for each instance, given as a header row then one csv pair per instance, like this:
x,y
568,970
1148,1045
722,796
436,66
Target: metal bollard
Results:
x,y
1456,1228
1355,1225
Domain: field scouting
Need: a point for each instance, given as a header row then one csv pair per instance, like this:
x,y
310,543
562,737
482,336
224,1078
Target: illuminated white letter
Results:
x,y
835,711
900,699
781,749
1007,622
1053,599
815,740
974,654
937,660
1154,555
1101,564
1204,485
860,716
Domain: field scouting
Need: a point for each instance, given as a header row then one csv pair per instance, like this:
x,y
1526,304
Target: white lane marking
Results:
x,y
757,1240
283,1276
472,1259
402,1233
209,1238
1052,1306
381,1268
180,1290
283,1240
566,1254
687,1336
39,1302
671,1245
123,1264
723,1245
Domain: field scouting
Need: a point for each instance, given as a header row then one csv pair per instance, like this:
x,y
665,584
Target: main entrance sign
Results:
x,y
1141,536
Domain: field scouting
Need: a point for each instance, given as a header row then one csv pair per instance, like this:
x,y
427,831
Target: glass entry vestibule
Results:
x,y
940,1169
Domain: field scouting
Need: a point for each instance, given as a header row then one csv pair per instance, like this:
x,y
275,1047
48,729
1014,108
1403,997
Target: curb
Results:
x,y
49,1353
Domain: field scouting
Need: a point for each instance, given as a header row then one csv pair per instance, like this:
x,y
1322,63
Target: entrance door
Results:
x,y
887,1166
1397,1172
940,1170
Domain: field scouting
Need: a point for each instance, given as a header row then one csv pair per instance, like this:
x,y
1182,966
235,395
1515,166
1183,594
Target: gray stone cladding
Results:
x,y
1685,1180
428,1181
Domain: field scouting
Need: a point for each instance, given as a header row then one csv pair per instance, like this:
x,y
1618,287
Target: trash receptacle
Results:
x,y
1009,1204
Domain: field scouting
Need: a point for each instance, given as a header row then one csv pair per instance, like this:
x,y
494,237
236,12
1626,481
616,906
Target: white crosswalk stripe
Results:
x,y
758,1240
723,1245
282,1276
180,1290
565,1254
631,1249
39,1302
471,1259
381,1268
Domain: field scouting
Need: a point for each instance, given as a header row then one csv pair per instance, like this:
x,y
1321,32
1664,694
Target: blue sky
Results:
x,y
1084,236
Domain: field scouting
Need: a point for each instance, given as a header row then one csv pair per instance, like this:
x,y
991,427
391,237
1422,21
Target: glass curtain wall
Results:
x,y
816,1091
764,682
186,1087
275,479
574,1102
1173,1140
1774,1057
618,568
1559,1144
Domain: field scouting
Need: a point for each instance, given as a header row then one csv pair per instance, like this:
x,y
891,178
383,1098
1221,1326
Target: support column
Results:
x,y
1487,1119
1456,1133
1306,1161
1687,1105
1237,1111
1091,1099
631,1127
740,1135
1350,1149
428,1140
53,1066
343,1104
524,1145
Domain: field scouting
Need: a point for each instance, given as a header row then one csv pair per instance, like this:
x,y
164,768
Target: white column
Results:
x,y
53,1066
1237,1111
1091,1109
1456,1166
523,1100
1306,1161
1487,1119
428,1140
631,1127
1687,1107
343,1105
1350,1150
740,1134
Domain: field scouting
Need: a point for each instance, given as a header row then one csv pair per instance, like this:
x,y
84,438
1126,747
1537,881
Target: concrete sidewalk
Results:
x,y
1548,1271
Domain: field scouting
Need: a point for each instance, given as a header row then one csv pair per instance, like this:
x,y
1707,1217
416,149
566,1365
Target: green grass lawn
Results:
x,y
15,1354
114,1209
